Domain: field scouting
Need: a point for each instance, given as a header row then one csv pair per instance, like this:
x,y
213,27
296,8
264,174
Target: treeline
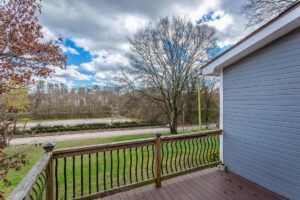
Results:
x,y
57,101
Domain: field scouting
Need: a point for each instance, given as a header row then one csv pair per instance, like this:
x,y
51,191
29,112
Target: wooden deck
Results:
x,y
205,184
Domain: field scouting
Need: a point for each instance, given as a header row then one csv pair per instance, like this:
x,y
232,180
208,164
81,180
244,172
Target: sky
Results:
x,y
96,32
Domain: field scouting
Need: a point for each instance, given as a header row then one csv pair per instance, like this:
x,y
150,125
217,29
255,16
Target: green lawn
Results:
x,y
34,153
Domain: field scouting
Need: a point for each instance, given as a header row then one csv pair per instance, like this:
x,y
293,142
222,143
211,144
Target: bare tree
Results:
x,y
209,95
260,11
134,105
164,58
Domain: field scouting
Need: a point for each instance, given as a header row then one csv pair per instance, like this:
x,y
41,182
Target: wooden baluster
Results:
x,y
205,151
175,163
111,170
152,166
148,156
65,178
167,157
142,164
97,171
184,154
162,158
136,164
202,151
118,168
130,165
124,166
104,173
56,178
157,160
180,160
73,175
197,152
171,159
90,175
193,151
188,156
81,174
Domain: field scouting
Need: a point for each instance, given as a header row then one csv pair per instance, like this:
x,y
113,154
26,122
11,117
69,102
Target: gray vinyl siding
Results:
x,y
262,116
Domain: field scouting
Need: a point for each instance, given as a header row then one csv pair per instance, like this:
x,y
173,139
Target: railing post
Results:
x,y
157,160
49,173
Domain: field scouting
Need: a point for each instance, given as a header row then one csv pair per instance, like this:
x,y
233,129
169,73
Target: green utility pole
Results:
x,y
199,104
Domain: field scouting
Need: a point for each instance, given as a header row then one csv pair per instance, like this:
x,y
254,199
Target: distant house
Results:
x,y
260,104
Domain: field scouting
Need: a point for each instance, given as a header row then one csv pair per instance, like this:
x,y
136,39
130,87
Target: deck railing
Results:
x,y
96,171
36,184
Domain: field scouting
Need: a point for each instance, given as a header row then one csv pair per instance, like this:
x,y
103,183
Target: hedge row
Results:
x,y
78,127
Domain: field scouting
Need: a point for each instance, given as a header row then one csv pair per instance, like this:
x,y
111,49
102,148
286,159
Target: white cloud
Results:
x,y
105,65
228,29
48,35
102,27
223,23
67,76
196,12
132,23
105,24
124,46
105,61
54,79
100,76
71,73
69,50
85,43
106,76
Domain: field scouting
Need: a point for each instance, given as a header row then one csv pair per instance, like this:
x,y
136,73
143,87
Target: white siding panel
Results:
x,y
261,113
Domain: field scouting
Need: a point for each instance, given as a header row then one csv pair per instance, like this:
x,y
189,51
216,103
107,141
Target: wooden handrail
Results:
x,y
74,151
68,152
190,136
23,189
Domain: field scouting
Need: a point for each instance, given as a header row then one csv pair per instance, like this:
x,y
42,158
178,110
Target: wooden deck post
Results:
x,y
49,173
157,160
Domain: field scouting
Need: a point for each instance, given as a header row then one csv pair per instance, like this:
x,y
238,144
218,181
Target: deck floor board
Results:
x,y
209,184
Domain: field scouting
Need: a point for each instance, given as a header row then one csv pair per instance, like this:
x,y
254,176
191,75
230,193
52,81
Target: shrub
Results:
x,y
78,127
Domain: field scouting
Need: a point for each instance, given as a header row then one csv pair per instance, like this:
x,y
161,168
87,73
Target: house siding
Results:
x,y
261,116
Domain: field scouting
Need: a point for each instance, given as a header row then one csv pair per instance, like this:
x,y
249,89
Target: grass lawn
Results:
x,y
35,152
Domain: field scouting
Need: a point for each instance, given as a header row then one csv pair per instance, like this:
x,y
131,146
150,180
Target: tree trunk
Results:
x,y
15,123
173,123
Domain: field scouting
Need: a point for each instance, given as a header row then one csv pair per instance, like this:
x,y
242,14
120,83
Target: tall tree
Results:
x,y
164,58
23,53
260,11
14,100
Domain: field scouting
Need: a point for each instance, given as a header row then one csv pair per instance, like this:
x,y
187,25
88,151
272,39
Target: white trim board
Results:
x,y
273,31
221,115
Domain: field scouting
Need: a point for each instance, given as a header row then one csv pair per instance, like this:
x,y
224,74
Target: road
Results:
x,y
89,135
72,122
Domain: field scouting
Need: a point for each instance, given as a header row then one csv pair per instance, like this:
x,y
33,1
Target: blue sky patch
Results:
x,y
215,51
76,59
210,16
